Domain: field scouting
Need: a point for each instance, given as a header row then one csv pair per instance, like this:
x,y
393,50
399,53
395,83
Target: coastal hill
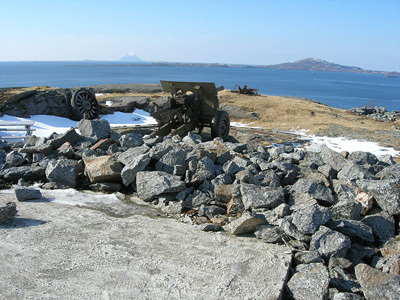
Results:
x,y
315,64
308,64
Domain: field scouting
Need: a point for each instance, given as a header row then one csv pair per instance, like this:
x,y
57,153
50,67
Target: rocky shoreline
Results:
x,y
337,212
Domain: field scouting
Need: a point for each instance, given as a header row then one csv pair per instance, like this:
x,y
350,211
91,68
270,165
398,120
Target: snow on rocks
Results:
x,y
328,208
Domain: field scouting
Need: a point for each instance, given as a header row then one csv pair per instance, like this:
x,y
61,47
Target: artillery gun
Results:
x,y
192,105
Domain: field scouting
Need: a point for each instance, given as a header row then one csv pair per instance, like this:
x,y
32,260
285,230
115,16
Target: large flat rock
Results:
x,y
57,251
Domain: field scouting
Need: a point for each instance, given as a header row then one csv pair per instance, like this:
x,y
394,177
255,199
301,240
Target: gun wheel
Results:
x,y
220,125
84,104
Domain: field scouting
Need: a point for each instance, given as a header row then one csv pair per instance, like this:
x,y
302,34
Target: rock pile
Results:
x,y
376,113
334,210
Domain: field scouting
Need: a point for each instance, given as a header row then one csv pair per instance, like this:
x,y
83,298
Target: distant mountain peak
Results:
x,y
131,57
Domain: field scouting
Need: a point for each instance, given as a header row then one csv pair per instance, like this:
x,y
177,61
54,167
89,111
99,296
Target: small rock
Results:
x,y
25,193
210,211
7,213
211,227
110,187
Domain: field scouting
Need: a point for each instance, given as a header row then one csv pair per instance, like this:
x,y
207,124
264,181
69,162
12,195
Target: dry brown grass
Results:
x,y
285,113
282,113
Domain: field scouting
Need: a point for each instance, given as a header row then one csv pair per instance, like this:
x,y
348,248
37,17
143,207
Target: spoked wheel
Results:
x,y
84,104
220,125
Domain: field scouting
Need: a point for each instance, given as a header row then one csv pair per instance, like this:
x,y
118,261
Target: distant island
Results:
x,y
308,64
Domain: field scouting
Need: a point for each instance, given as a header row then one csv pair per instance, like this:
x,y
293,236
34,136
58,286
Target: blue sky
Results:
x,y
364,33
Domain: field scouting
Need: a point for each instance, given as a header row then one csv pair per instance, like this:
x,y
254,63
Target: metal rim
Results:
x,y
223,127
86,104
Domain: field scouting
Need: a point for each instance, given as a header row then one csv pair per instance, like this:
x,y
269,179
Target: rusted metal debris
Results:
x,y
245,90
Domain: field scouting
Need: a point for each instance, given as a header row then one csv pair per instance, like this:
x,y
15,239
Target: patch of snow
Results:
x,y
242,125
46,125
340,144
109,103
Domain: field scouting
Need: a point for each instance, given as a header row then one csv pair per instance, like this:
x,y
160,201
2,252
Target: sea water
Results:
x,y
340,90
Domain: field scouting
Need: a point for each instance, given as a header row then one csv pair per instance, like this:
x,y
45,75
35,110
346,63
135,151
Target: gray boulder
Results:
x,y
357,231
14,159
172,158
346,209
392,172
63,172
389,264
210,211
26,193
103,169
311,281
382,225
127,156
96,129
330,243
309,219
286,225
341,279
231,167
347,296
7,213
317,191
270,234
332,158
70,136
205,170
131,140
363,158
28,173
376,284
385,192
196,199
136,164
307,257
150,184
261,197
352,171
192,139
247,223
